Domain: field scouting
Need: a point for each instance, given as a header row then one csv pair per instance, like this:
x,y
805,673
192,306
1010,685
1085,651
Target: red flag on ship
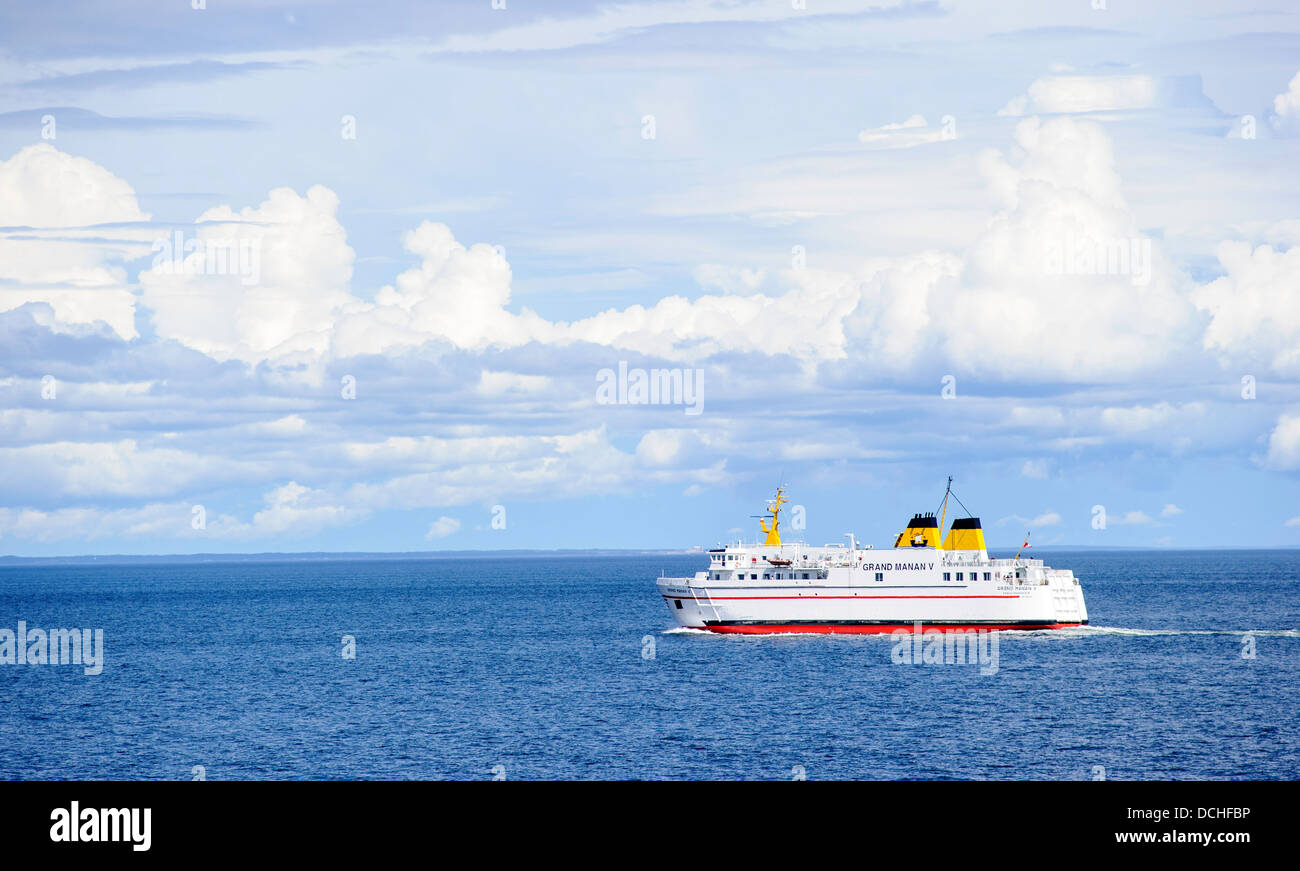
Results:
x,y
1023,546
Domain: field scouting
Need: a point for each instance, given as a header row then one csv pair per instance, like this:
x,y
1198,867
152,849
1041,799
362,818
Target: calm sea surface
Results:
x,y
543,668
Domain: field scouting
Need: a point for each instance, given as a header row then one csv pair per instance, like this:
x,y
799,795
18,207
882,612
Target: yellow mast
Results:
x,y
774,511
943,512
1023,546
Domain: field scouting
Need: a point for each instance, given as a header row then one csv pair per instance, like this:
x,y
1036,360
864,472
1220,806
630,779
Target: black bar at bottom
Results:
x,y
937,820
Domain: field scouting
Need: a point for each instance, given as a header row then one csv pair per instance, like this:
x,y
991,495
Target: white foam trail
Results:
x,y
1084,631
1073,632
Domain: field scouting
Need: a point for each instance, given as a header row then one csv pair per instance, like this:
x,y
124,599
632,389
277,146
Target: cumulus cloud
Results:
x,y
1285,117
1170,510
955,309
660,447
1284,444
1254,308
297,509
893,320
676,448
458,295
1063,259
806,322
62,259
46,188
1031,273
277,294
442,527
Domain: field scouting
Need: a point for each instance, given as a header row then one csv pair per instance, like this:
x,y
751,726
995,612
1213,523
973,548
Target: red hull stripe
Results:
x,y
877,628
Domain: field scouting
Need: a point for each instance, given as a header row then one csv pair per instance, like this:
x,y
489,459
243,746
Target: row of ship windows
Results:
x,y
880,576
767,576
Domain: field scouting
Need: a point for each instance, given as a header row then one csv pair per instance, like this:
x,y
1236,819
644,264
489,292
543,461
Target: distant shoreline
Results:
x,y
402,556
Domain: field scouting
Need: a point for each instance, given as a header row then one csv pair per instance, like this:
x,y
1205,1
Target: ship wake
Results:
x,y
1086,631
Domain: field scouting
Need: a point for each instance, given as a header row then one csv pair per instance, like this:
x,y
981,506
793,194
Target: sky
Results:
x,y
321,276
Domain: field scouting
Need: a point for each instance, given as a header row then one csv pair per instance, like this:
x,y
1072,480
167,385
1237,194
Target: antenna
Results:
x,y
774,512
943,514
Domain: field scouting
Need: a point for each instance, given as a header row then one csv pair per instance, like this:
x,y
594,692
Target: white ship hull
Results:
x,y
836,590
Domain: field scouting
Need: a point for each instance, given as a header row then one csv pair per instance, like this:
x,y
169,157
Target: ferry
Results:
x,y
924,582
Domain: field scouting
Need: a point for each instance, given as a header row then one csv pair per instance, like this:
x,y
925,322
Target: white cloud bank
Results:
x,y
1045,266
62,260
288,510
397,473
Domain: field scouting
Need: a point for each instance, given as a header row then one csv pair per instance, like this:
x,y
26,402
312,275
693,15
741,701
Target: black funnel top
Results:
x,y
924,521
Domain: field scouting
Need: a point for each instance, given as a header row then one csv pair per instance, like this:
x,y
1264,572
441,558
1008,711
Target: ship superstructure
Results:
x,y
947,583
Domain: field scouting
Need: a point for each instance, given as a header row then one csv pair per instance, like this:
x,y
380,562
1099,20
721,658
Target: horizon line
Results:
x,y
13,559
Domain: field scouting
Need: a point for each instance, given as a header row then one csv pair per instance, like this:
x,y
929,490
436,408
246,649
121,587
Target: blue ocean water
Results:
x,y
542,668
